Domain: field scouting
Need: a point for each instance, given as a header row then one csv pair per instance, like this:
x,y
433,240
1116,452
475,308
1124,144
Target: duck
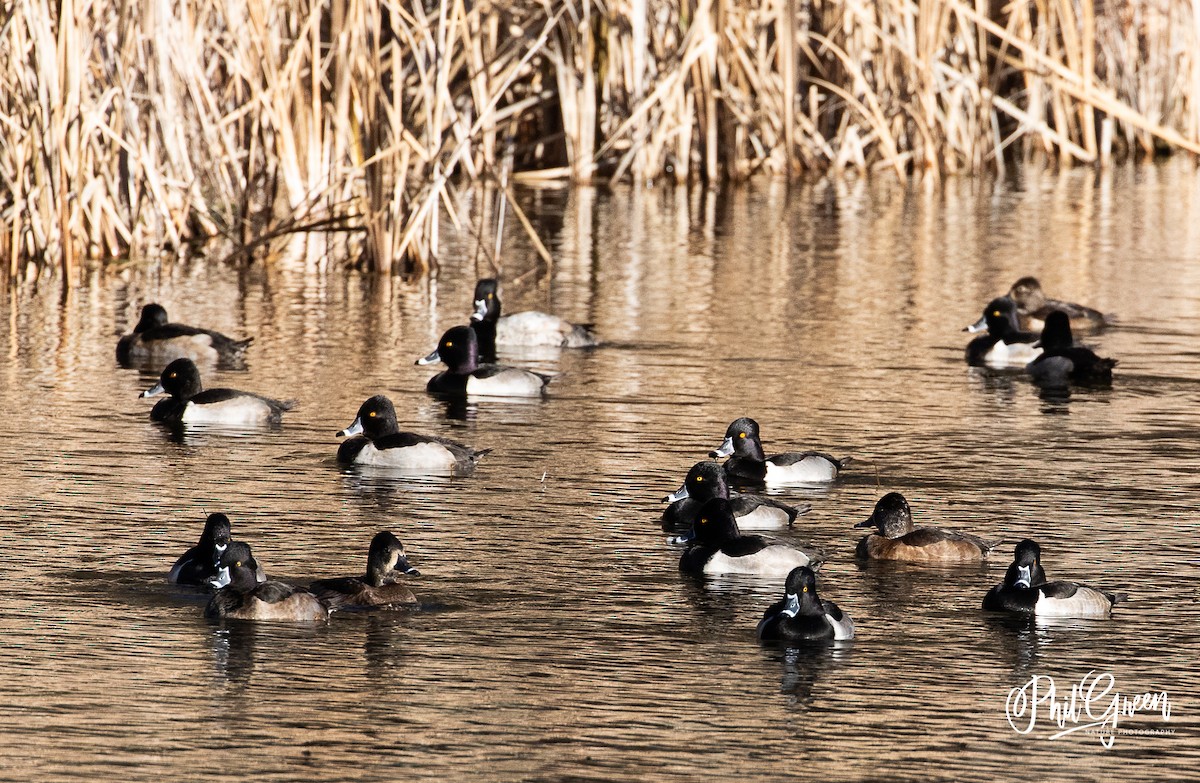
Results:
x,y
1026,591
1033,306
156,339
374,438
716,546
898,540
748,465
189,403
240,597
459,351
528,328
199,564
705,481
379,586
1005,345
802,616
1063,362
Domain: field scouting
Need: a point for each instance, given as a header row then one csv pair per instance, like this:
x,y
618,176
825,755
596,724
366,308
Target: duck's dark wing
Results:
x,y
832,609
274,592
338,592
743,504
1087,366
210,396
744,545
397,440
927,536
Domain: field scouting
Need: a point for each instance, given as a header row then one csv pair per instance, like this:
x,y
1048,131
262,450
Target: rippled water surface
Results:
x,y
556,638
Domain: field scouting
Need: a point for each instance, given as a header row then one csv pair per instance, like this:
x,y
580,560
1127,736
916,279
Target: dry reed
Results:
x,y
349,128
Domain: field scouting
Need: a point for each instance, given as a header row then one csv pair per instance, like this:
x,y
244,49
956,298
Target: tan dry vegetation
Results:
x,y
137,128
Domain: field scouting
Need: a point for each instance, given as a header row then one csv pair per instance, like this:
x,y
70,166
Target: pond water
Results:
x,y
556,638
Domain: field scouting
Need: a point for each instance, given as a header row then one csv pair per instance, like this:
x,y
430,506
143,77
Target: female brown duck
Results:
x,y
379,586
898,540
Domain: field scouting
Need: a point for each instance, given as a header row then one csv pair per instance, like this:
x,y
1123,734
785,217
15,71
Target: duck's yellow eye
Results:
x,y
449,343
490,296
237,564
806,589
704,520
372,414
699,479
741,434
996,313
172,375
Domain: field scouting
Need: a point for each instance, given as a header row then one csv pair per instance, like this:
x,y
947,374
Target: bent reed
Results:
x,y
131,129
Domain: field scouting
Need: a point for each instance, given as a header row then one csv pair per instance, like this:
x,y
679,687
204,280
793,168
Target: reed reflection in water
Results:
x,y
555,637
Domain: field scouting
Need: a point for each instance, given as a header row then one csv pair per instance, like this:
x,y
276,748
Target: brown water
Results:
x,y
556,638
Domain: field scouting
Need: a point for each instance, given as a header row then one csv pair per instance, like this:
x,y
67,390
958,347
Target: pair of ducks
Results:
x,y
801,616
469,352
243,591
1052,358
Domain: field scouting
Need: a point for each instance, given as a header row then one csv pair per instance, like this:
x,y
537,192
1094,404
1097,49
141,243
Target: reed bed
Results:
x,y
349,130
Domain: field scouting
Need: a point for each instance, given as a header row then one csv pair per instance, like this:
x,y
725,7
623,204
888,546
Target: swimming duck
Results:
x,y
155,339
898,540
199,564
802,616
1005,345
379,586
1026,591
240,597
1033,306
705,481
529,328
749,465
459,350
189,403
382,443
1062,362
718,547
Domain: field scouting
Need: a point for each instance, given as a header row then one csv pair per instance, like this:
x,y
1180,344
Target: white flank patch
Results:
x,y
775,560
810,470
423,457
240,410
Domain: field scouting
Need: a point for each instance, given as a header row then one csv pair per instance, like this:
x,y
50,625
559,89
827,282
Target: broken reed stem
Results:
x,y
131,130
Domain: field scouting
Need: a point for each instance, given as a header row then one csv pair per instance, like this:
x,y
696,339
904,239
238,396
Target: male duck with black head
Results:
x,y
717,546
375,439
190,403
240,597
802,616
199,564
529,328
380,586
1063,362
155,339
1026,591
750,465
705,481
1005,345
459,351
898,540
